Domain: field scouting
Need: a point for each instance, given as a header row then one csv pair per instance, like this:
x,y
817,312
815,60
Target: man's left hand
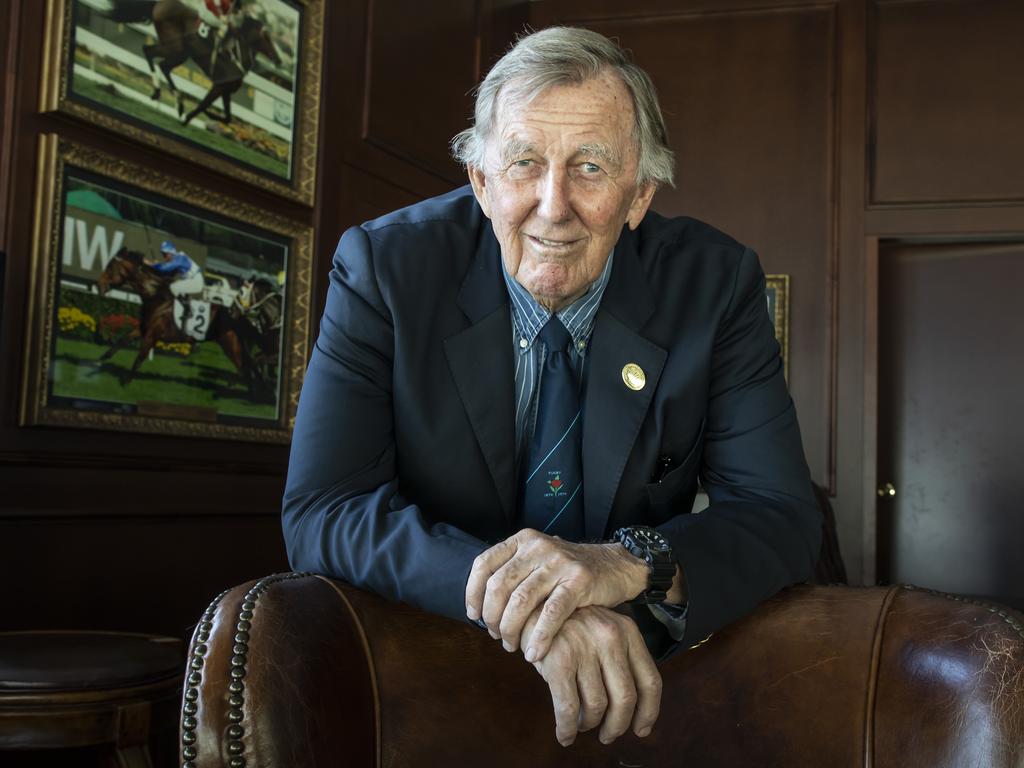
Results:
x,y
513,578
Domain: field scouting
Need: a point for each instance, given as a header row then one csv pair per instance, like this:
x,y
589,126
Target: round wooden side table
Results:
x,y
113,690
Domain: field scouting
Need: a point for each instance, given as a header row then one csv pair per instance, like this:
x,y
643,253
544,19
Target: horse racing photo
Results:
x,y
162,311
220,75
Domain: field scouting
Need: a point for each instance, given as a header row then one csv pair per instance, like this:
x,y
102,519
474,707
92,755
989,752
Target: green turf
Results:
x,y
212,141
204,378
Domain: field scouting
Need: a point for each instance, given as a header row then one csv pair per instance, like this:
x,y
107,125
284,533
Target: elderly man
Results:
x,y
517,386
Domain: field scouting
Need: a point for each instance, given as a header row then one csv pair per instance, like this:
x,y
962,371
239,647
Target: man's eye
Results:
x,y
521,163
591,167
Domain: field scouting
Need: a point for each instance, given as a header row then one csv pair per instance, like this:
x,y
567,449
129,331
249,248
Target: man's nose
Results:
x,y
553,196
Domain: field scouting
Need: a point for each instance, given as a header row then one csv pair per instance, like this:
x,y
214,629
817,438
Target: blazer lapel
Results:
x,y
480,360
614,411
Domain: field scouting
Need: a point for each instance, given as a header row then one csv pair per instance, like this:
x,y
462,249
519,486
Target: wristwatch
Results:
x,y
653,548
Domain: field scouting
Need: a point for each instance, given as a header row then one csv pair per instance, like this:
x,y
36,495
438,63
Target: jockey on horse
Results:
x,y
195,29
188,277
223,16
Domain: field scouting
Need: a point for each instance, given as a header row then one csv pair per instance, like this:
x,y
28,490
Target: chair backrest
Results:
x,y
303,671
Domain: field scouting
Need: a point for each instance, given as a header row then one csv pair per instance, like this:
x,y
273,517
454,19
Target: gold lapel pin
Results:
x,y
633,376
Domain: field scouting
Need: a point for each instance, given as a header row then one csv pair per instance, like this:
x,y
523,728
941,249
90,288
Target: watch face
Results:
x,y
650,538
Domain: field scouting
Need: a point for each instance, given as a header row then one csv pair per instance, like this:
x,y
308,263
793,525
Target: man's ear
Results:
x,y
479,182
641,202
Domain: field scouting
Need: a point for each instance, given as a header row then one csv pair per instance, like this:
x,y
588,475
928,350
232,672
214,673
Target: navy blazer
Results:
x,y
403,456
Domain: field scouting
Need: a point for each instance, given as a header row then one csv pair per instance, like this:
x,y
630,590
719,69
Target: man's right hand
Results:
x,y
531,570
599,672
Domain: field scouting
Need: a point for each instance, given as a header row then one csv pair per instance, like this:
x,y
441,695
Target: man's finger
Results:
x,y
565,701
484,566
500,586
648,686
622,693
521,604
557,608
593,696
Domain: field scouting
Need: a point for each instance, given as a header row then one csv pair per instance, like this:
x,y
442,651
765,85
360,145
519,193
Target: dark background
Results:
x,y
821,133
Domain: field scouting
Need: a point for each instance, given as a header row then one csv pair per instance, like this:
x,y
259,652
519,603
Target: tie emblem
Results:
x,y
555,484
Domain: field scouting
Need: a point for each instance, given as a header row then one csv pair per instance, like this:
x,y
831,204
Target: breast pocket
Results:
x,y
679,484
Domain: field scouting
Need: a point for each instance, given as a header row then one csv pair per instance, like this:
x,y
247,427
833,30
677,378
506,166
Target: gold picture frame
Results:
x,y
94,69
777,294
89,327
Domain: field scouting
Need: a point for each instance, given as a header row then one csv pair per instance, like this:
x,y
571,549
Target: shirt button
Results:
x,y
523,343
581,345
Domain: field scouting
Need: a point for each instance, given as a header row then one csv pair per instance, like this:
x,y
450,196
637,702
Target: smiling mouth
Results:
x,y
558,244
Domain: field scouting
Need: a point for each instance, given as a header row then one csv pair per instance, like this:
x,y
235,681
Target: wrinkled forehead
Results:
x,y
604,96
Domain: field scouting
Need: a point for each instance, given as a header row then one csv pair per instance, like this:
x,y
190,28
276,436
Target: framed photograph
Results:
x,y
777,292
231,84
158,306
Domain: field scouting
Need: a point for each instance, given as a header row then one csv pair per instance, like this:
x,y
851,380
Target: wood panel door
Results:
x,y
951,417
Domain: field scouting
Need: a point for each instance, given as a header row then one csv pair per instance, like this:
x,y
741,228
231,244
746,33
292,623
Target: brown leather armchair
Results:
x,y
298,670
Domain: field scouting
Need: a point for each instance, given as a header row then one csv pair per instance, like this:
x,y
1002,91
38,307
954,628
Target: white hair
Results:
x,y
563,56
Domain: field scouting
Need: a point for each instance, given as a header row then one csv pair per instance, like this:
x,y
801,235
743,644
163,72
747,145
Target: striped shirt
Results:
x,y
528,317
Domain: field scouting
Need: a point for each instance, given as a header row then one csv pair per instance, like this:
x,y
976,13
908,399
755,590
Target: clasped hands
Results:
x,y
554,598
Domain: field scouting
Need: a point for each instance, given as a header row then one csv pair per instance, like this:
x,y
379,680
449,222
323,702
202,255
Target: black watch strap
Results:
x,y
652,547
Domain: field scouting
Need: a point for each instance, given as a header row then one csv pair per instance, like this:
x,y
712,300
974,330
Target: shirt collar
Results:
x,y
578,318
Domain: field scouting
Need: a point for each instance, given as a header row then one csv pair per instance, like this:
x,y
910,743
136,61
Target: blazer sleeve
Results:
x,y
343,514
762,530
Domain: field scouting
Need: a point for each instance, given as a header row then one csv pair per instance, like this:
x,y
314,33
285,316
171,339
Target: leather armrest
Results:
x,y
838,676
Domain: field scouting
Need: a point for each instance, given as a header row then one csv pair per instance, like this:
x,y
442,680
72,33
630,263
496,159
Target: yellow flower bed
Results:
x,y
71,318
178,347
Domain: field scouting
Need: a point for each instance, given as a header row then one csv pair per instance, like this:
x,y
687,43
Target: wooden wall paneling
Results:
x,y
340,34
153,573
105,488
945,221
501,22
544,13
396,100
415,67
947,108
750,101
413,78
367,197
852,388
869,425
19,150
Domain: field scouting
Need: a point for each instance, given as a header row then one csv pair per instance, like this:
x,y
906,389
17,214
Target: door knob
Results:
x,y
887,491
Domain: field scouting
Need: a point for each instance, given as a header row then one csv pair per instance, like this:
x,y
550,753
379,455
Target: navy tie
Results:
x,y
553,493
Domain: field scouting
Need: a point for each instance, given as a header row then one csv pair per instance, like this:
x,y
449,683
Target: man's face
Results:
x,y
559,182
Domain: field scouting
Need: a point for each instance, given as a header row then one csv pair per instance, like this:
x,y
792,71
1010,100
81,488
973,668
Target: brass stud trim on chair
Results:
x,y
189,706
1012,621
239,658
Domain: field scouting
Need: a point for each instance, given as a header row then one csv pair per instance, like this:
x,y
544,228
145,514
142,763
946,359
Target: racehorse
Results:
x,y
182,35
129,269
263,307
